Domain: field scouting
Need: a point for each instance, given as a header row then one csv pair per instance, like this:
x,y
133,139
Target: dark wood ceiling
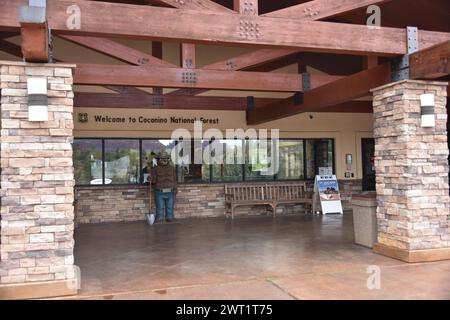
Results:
x,y
433,15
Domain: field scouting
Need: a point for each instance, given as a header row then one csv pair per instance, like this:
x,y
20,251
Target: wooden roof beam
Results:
x,y
116,50
333,93
241,62
250,60
10,48
155,101
148,22
187,56
431,63
157,52
200,5
321,9
4,35
102,74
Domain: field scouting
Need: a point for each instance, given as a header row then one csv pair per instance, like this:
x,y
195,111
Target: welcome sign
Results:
x,y
117,120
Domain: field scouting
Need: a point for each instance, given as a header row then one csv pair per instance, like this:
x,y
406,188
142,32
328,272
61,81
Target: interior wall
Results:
x,y
346,128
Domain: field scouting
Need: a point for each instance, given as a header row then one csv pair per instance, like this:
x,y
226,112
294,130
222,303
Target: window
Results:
x,y
122,161
194,172
87,161
127,161
231,169
258,160
291,164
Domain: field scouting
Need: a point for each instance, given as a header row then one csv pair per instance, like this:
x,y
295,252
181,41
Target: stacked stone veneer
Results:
x,y
131,203
412,167
36,178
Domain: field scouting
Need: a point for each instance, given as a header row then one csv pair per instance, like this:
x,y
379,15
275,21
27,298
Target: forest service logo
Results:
x,y
83,117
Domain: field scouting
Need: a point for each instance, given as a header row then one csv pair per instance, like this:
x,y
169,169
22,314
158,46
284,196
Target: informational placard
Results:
x,y
325,171
326,192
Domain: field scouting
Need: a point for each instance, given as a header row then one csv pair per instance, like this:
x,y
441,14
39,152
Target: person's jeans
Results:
x,y
164,200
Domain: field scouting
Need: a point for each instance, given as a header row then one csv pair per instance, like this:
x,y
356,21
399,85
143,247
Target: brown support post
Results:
x,y
370,62
35,33
188,55
157,52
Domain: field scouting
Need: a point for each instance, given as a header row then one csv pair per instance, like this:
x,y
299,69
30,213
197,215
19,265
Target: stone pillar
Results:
x,y
36,247
411,173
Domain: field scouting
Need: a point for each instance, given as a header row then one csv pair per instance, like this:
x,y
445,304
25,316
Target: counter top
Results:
x,y
365,200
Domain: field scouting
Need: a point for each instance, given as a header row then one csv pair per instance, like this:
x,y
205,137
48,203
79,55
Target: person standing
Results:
x,y
164,179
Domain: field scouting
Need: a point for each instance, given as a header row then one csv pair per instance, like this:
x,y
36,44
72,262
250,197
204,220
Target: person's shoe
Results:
x,y
158,221
169,220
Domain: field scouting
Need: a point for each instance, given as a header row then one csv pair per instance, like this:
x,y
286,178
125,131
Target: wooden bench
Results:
x,y
265,194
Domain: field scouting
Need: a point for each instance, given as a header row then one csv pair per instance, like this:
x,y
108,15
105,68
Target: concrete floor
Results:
x,y
292,257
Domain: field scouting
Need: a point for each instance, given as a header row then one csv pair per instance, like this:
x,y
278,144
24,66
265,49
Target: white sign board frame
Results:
x,y
326,194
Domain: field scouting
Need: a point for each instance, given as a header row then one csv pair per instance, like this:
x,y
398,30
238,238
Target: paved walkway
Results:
x,y
292,257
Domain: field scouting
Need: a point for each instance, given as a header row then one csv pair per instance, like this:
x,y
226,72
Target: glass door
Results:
x,y
368,166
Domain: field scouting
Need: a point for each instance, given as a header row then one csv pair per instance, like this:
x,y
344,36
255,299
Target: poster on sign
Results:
x,y
326,189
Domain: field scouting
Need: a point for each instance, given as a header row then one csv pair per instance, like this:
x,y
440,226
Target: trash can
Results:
x,y
365,219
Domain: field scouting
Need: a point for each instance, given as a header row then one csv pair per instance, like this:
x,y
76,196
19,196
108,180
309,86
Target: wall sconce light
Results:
x,y
349,160
427,110
37,99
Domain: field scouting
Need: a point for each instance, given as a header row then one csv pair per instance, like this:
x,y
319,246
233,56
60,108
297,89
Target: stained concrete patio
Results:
x,y
291,257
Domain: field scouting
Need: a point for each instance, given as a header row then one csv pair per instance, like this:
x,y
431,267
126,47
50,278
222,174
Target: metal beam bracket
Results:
x,y
249,29
231,65
158,101
306,81
298,98
250,106
400,66
143,61
32,15
188,63
189,77
50,46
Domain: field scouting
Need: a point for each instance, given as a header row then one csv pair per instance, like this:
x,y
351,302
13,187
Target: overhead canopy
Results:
x,y
329,35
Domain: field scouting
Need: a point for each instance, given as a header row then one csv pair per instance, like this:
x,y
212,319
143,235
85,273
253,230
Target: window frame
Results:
x,y
211,180
102,148
104,160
